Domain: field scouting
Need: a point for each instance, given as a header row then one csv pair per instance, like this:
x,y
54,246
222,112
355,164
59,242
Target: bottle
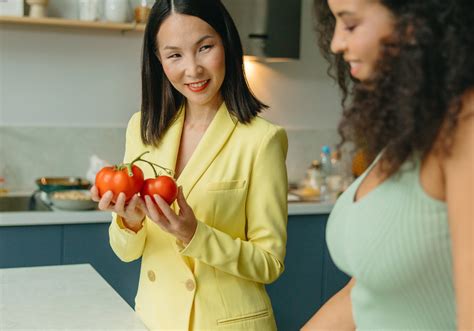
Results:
x,y
315,178
326,160
312,185
326,169
335,177
3,188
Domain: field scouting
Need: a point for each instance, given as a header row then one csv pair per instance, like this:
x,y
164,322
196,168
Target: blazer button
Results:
x,y
190,286
151,275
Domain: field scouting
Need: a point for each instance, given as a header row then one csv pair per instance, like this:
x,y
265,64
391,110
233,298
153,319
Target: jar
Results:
x,y
116,10
89,10
141,12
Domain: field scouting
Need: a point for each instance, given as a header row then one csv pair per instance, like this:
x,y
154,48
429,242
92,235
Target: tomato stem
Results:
x,y
139,157
153,165
168,171
129,168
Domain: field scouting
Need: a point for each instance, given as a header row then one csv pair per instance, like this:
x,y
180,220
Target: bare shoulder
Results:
x,y
463,136
467,109
462,149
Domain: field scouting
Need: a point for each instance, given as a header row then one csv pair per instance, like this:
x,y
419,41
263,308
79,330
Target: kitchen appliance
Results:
x,y
269,29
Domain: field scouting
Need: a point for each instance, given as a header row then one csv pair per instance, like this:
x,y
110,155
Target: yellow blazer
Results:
x,y
236,183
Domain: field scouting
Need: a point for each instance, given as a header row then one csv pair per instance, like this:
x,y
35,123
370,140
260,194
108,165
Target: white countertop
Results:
x,y
83,217
60,298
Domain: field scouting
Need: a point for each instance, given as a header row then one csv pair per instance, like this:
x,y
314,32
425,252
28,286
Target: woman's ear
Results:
x,y
409,35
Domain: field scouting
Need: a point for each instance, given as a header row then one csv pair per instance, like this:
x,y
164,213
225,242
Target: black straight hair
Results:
x,y
160,100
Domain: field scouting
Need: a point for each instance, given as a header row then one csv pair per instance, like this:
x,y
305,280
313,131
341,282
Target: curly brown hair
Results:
x,y
425,68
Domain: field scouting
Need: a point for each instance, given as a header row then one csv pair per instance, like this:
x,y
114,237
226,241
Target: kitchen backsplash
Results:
x,y
27,153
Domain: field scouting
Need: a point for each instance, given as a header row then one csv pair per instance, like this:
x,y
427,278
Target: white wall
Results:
x,y
64,77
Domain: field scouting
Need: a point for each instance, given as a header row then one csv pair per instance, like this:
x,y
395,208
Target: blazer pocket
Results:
x,y
243,318
227,185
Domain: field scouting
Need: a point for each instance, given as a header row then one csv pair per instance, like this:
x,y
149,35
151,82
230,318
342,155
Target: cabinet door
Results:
x,y
89,243
298,292
28,246
334,279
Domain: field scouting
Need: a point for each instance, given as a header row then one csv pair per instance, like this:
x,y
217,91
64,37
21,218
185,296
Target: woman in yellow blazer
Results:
x,y
205,258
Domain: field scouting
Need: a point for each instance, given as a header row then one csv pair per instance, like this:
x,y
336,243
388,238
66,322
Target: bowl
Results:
x,y
72,200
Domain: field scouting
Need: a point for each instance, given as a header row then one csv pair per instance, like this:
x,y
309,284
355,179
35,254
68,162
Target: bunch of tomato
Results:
x,y
128,178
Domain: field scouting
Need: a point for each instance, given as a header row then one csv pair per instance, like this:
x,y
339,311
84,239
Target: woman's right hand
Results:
x,y
132,214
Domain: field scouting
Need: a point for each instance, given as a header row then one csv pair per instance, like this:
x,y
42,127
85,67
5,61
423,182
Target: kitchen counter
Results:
x,y
62,297
58,217
82,217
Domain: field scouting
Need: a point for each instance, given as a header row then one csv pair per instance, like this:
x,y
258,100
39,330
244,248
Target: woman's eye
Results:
x,y
350,28
205,47
173,56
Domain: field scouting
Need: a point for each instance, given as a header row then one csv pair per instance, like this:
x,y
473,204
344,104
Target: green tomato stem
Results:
x,y
168,171
140,157
151,165
129,168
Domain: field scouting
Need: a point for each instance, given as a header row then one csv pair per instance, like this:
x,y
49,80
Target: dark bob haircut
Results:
x,y
412,104
160,100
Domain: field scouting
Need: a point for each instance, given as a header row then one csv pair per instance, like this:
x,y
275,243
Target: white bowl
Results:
x,y
72,200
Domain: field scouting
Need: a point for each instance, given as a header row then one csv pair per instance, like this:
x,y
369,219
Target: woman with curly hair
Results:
x,y
404,230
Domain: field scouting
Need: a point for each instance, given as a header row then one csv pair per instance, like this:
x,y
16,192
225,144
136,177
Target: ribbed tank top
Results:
x,y
395,242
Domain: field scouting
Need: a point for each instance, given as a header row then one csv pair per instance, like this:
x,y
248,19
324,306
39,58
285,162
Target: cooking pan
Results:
x,y
52,184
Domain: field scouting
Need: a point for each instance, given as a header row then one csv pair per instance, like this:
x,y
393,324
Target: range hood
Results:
x,y
269,29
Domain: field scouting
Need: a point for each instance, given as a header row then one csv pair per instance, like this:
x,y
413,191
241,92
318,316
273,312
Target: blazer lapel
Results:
x,y
167,152
211,143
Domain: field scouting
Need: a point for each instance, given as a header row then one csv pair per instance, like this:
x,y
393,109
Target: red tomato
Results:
x,y
117,179
164,186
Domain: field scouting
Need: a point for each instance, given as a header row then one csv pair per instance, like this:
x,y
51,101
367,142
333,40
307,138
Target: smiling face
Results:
x,y
360,27
193,58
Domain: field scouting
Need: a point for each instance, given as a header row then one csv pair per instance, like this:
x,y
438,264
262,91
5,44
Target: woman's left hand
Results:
x,y
181,226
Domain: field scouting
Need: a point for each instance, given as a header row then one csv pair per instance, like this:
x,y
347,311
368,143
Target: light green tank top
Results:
x,y
395,242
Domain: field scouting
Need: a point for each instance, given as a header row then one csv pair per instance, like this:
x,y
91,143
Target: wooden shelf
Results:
x,y
67,23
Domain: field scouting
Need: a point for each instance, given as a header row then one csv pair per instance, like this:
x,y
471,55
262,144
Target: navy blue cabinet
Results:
x,y
24,246
310,277
89,243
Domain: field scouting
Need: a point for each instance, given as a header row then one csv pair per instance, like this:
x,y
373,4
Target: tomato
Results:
x,y
164,186
117,179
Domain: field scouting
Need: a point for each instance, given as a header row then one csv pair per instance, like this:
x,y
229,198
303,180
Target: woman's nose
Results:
x,y
338,42
194,68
